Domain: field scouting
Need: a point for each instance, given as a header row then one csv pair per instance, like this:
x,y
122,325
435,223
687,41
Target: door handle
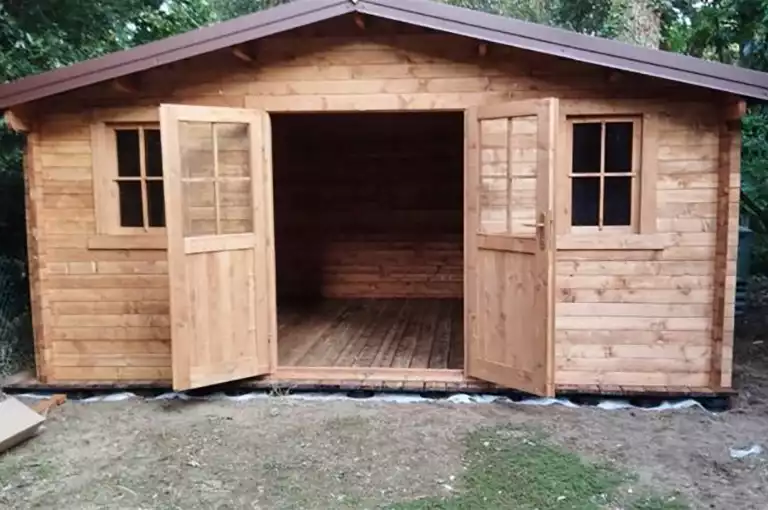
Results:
x,y
540,227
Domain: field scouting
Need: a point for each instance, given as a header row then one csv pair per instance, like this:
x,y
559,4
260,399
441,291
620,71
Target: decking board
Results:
x,y
405,333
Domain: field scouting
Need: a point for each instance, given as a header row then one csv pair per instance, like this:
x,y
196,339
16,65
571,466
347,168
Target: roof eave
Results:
x,y
424,13
173,49
571,45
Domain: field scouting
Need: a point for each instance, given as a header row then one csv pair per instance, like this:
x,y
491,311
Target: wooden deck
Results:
x,y
378,333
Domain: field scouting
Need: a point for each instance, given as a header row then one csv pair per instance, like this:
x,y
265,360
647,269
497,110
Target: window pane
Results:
x,y
128,152
153,154
585,199
196,143
155,204
234,150
618,201
130,204
618,147
199,211
235,207
586,147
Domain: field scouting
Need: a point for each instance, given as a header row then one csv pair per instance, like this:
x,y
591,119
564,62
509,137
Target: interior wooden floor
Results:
x,y
395,333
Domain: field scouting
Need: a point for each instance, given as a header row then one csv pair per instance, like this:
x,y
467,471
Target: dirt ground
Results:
x,y
284,453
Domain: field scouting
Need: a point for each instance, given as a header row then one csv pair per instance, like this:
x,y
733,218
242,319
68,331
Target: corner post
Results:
x,y
726,243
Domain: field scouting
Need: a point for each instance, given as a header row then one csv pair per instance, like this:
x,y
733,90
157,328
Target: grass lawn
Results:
x,y
509,468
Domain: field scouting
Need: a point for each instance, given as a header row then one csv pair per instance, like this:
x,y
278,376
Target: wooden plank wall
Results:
x,y
645,317
369,205
105,312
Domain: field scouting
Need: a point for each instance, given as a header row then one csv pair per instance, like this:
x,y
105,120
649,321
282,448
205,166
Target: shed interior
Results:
x,y
369,238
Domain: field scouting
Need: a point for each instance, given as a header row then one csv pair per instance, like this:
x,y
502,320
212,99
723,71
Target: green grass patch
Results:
x,y
18,471
658,503
509,468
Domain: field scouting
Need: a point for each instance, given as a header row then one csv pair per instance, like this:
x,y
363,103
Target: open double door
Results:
x,y
218,199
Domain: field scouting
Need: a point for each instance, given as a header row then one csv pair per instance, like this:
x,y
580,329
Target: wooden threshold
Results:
x,y
394,375
371,378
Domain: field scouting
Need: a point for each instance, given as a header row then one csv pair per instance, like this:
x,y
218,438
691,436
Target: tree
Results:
x,y
729,31
35,37
732,32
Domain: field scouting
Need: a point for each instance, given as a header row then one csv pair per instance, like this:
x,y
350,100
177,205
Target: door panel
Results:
x,y
220,249
509,240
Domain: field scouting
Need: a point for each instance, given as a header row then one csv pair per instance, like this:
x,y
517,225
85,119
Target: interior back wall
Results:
x,y
369,204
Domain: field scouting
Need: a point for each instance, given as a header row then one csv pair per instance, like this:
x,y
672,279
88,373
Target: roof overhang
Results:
x,y
424,13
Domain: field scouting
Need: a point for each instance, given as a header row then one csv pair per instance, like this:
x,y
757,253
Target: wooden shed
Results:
x,y
384,192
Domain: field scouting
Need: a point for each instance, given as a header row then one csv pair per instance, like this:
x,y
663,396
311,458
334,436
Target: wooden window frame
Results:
x,y
109,233
634,173
643,232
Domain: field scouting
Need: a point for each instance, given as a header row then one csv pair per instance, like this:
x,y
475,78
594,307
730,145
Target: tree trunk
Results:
x,y
643,24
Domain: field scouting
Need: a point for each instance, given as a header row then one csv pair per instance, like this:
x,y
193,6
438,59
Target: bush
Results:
x,y
16,344
754,188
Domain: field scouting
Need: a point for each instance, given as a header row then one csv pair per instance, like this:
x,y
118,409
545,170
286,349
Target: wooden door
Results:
x,y
509,261
218,203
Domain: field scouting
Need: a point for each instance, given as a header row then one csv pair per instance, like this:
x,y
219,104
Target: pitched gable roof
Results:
x,y
424,13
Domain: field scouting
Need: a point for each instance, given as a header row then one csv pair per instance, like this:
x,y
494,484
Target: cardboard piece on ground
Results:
x,y
17,423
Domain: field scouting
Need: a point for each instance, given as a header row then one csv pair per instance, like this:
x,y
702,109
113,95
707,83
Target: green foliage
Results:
x,y
15,324
45,34
658,503
227,9
509,468
605,18
537,11
733,32
729,31
35,37
754,187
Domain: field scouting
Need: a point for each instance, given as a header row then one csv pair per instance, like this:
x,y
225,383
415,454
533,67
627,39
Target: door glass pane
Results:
x,y
128,152
585,201
155,204
198,208
131,212
586,147
523,154
196,141
618,146
236,207
153,154
494,176
233,150
618,201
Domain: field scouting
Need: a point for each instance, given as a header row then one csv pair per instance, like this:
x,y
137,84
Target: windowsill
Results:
x,y
127,242
605,241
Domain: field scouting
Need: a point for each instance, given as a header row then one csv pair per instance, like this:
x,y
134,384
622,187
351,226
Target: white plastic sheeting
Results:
x,y
396,398
740,453
613,405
